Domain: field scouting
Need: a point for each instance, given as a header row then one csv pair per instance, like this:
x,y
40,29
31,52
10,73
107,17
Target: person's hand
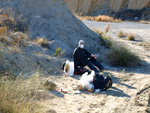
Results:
x,y
94,56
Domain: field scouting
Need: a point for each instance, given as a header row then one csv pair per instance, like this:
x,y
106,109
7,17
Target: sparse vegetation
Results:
x,y
16,92
42,41
99,32
121,56
146,45
144,22
102,18
58,52
130,37
106,41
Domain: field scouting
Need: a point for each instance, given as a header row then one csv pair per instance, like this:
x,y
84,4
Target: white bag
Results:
x,y
69,68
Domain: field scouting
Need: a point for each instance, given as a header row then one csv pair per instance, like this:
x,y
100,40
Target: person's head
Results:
x,y
81,44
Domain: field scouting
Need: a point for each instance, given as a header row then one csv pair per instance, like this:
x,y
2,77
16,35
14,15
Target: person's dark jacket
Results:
x,y
80,55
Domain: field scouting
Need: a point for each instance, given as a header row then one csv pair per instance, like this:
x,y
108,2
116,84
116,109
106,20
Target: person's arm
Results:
x,y
75,57
87,53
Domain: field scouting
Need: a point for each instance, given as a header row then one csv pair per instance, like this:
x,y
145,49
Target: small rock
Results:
x,y
18,36
7,39
50,85
51,111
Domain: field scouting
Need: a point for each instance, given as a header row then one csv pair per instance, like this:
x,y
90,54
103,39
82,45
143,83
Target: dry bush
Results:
x,y
120,34
102,18
144,22
7,21
16,95
130,36
121,56
42,41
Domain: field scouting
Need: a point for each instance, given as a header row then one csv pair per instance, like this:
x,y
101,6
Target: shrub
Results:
x,y
121,56
131,37
42,41
58,52
120,34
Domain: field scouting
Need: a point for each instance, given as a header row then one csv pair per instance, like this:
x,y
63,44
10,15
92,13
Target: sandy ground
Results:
x,y
131,88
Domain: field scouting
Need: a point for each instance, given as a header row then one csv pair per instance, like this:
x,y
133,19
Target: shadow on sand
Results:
x,y
116,92
57,93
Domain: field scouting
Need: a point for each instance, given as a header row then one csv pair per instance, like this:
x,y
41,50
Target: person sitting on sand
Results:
x,y
83,58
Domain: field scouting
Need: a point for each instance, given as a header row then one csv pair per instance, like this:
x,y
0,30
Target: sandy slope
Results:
x,y
130,92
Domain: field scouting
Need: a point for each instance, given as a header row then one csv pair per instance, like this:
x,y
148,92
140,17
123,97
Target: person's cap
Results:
x,y
81,42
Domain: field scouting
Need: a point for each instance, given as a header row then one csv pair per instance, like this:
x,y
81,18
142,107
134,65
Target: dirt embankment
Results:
x,y
124,9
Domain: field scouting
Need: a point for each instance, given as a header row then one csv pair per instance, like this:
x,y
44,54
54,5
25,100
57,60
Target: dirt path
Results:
x,y
130,92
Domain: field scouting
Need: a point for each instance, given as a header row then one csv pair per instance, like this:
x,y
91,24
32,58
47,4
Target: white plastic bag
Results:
x,y
69,68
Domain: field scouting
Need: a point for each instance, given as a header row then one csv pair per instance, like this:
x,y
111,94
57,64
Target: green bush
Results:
x,y
58,51
121,56
106,41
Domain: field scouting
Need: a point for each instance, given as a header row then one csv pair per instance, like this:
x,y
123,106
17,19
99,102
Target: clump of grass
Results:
x,y
18,92
121,34
121,56
42,41
131,37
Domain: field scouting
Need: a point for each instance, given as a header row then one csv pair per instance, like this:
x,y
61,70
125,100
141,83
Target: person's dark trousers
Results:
x,y
92,67
90,63
96,63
